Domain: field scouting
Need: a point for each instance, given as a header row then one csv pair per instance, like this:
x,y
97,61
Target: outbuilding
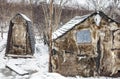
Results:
x,y
87,45
20,41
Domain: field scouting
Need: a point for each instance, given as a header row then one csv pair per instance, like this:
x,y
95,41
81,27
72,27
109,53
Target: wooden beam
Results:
x,y
19,56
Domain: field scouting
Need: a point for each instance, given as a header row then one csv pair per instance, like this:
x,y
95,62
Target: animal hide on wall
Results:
x,y
100,56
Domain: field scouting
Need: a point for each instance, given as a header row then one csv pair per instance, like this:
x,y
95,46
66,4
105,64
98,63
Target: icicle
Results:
x,y
97,19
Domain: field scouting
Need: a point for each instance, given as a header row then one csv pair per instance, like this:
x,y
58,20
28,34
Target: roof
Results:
x,y
69,25
76,20
25,17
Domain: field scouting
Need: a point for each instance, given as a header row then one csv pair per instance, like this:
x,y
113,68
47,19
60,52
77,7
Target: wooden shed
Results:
x,y
87,45
20,41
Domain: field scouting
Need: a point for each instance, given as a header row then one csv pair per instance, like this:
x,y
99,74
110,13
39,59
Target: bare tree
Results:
x,y
110,7
52,12
56,15
3,9
113,8
98,5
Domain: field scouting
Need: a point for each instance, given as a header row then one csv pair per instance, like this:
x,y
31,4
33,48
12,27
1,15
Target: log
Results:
x,y
19,56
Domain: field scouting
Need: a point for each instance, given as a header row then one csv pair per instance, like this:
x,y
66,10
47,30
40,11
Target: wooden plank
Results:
x,y
19,56
16,69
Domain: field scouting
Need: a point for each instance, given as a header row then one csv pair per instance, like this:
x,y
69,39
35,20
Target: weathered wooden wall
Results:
x,y
99,57
20,41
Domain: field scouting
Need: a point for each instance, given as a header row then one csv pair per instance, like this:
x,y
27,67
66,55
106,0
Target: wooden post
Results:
x,y
50,34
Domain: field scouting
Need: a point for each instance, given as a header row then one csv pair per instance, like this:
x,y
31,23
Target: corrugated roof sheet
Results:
x,y
69,25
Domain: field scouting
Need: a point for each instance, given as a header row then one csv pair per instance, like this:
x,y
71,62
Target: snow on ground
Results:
x,y
37,67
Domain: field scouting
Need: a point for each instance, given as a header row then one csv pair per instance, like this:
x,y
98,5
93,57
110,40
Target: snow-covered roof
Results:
x,y
25,17
69,25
